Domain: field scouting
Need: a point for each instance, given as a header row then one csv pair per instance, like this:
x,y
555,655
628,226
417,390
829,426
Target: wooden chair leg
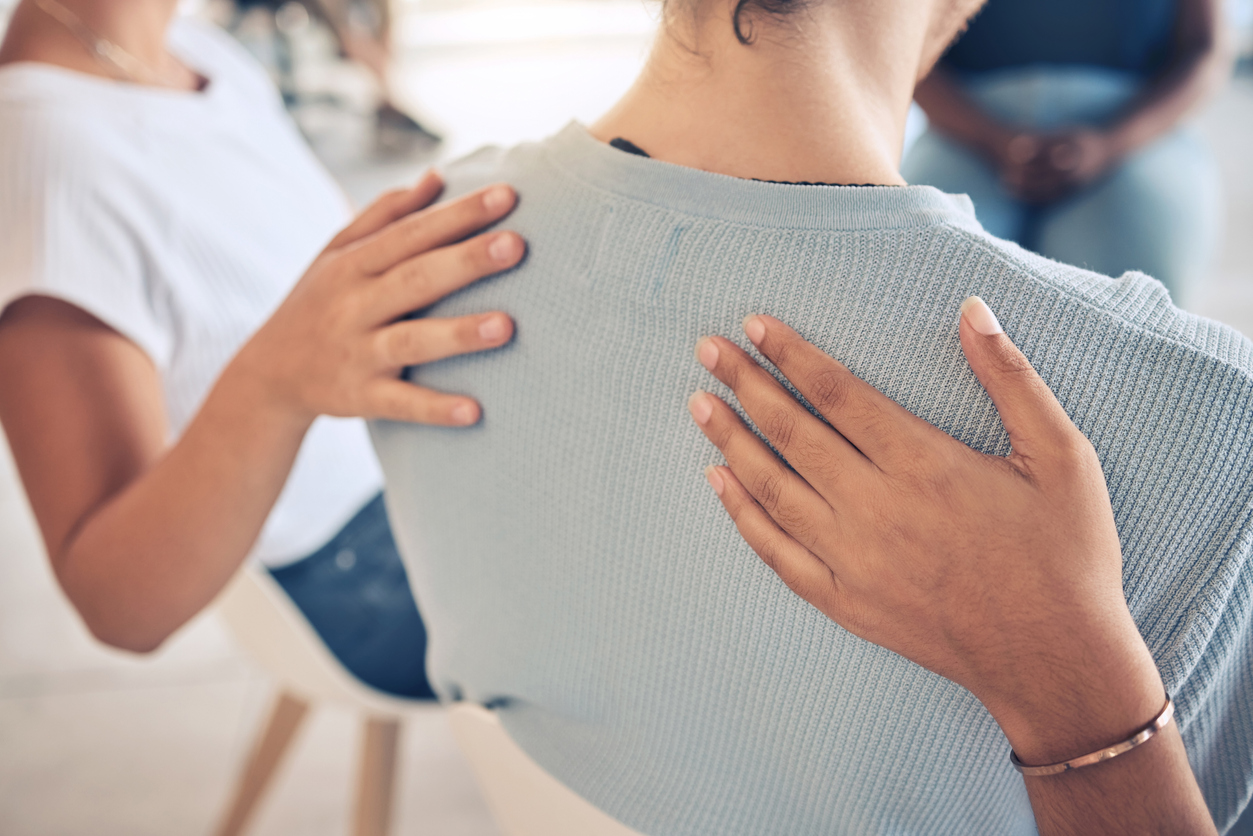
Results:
x,y
377,777
267,754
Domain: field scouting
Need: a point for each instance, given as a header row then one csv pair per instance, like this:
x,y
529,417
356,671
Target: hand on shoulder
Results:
x,y
1001,574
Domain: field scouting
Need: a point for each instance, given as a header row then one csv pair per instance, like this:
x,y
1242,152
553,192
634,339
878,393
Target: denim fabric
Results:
x,y
1157,212
355,594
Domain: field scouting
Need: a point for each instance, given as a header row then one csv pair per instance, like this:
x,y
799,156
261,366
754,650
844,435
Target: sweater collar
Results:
x,y
752,202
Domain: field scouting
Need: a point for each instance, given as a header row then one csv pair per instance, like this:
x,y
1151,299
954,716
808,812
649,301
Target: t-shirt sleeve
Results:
x,y
1215,702
72,226
1207,662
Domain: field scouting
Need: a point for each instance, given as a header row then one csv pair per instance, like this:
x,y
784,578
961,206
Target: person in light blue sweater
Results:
x,y
577,574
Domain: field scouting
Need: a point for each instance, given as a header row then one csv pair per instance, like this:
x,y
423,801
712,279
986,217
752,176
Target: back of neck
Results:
x,y
805,101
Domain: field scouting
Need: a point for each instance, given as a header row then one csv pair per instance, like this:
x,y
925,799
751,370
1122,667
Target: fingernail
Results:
x,y
715,479
493,328
700,407
755,329
497,198
505,248
980,317
707,353
463,413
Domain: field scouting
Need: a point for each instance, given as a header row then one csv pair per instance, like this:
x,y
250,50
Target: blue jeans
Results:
x,y
355,594
1157,211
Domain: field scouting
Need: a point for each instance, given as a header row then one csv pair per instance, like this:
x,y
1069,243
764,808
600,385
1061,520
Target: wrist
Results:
x,y
245,392
1091,698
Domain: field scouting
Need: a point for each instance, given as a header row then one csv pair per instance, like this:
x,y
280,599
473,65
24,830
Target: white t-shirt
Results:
x,y
181,220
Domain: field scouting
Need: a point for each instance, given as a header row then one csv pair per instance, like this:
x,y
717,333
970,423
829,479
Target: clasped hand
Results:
x,y
1042,168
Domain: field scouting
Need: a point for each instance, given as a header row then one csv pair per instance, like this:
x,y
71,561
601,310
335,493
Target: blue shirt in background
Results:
x,y
1130,35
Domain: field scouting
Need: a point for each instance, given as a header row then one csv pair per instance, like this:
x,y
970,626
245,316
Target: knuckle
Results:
x,y
782,349
467,213
830,390
779,426
795,521
768,488
797,580
414,274
385,348
813,455
721,430
730,369
874,422
1010,360
770,550
401,345
414,231
473,258
394,198
395,406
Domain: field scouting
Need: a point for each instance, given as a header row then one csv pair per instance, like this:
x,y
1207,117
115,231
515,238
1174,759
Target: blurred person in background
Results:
x,y
1062,121
363,32
158,207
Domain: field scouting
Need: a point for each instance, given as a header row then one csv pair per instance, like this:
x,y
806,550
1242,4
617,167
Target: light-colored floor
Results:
x,y
97,742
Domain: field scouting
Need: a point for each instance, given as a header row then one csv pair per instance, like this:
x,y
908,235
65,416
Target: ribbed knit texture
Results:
x,y
576,571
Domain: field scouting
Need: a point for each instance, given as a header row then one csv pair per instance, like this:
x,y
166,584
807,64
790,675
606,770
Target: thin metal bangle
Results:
x,y
1139,738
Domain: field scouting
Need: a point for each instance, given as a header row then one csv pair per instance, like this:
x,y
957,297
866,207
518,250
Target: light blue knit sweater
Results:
x,y
576,571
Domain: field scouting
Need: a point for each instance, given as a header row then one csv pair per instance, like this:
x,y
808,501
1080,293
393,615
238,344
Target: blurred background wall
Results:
x,y
98,742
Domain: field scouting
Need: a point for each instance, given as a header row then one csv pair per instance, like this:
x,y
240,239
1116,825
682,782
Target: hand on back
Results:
x,y
337,344
1001,574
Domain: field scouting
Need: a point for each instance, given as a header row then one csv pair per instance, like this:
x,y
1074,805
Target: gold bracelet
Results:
x,y
1142,736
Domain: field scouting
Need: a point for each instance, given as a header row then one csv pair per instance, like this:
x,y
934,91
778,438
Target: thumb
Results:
x,y
389,207
1036,423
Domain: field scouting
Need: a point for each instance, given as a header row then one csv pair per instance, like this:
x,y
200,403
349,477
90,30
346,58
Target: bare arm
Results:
x,y
955,115
1003,575
142,536
1201,62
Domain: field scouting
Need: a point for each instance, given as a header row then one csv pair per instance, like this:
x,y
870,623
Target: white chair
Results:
x,y
270,627
523,798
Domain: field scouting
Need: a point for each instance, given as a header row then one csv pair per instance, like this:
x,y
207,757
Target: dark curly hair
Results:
x,y
777,8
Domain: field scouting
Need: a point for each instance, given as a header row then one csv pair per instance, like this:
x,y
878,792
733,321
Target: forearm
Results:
x,y
1191,80
1103,696
1148,790
952,113
153,555
142,535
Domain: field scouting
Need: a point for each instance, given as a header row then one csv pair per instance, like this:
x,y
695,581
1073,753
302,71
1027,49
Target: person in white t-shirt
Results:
x,y
157,207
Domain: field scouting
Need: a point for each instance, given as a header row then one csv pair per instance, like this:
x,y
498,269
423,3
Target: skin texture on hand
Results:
x,y
1002,574
338,343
